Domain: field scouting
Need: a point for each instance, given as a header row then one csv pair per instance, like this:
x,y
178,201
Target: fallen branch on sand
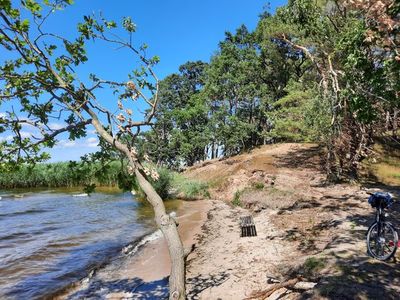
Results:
x,y
268,292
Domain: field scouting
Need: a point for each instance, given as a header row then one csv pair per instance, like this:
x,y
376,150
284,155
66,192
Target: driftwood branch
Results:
x,y
268,292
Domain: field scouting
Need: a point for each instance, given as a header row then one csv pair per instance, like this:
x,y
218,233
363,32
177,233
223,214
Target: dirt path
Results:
x,y
229,267
306,230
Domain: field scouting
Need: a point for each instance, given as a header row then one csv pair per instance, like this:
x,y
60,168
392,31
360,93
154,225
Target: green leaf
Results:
x,y
128,24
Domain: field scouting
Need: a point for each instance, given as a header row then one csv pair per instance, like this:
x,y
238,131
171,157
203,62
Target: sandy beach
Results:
x,y
144,273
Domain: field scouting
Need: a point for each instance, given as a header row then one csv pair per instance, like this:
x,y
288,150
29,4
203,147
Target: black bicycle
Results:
x,y
382,238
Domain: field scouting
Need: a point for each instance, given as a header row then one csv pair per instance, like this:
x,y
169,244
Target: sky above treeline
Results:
x,y
175,30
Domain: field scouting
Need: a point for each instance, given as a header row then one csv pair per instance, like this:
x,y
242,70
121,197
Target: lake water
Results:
x,y
50,239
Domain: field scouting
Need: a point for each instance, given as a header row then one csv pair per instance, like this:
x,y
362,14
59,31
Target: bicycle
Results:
x,y
382,238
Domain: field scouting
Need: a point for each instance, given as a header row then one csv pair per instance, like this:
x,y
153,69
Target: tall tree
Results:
x,y
235,91
40,81
180,133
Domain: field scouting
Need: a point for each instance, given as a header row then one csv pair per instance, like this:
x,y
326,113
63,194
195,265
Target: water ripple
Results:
x,y
49,240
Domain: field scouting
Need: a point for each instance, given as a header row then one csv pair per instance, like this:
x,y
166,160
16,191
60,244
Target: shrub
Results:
x,y
236,199
189,188
258,185
162,185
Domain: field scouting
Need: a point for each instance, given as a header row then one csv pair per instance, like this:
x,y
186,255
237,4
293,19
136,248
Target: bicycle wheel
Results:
x,y
382,245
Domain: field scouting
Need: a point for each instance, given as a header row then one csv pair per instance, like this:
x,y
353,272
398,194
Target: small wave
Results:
x,y
25,212
15,235
80,195
26,236
133,248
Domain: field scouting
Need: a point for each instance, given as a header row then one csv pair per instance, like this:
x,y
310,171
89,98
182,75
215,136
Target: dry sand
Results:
x,y
227,266
307,230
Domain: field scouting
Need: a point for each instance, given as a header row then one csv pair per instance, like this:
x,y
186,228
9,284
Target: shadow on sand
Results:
x,y
201,283
357,275
309,158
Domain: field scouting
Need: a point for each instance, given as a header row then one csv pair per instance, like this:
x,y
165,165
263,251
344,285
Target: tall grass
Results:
x,y
189,188
61,174
76,174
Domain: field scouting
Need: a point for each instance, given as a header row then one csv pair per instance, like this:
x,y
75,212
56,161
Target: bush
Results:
x,y
189,188
258,185
162,185
236,199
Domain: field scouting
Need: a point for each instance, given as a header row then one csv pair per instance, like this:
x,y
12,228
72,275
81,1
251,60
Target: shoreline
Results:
x,y
143,269
152,262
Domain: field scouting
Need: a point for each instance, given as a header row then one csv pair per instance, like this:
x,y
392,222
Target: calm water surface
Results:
x,y
50,239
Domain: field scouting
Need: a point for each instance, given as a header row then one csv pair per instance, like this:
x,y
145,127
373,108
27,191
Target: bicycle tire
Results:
x,y
376,244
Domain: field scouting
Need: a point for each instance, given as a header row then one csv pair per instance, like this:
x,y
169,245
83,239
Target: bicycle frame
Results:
x,y
384,234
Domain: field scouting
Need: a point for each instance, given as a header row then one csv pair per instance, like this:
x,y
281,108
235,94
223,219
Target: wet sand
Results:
x,y
153,261
143,275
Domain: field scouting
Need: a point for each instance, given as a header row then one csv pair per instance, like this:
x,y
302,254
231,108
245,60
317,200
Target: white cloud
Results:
x,y
25,134
6,138
55,125
66,144
92,142
10,137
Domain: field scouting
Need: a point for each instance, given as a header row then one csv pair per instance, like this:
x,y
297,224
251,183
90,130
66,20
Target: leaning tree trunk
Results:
x,y
168,227
165,222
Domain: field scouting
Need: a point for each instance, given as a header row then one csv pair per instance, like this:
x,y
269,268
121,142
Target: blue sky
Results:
x,y
175,30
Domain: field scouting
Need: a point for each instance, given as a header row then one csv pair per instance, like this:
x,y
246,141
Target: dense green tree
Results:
x,y
289,114
322,71
354,78
235,92
180,134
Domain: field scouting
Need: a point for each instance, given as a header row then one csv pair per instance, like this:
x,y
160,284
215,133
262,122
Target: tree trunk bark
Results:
x,y
168,227
165,222
387,123
395,122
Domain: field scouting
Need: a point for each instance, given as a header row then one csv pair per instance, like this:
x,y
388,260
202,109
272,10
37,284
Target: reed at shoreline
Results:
x,y
87,176
61,174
